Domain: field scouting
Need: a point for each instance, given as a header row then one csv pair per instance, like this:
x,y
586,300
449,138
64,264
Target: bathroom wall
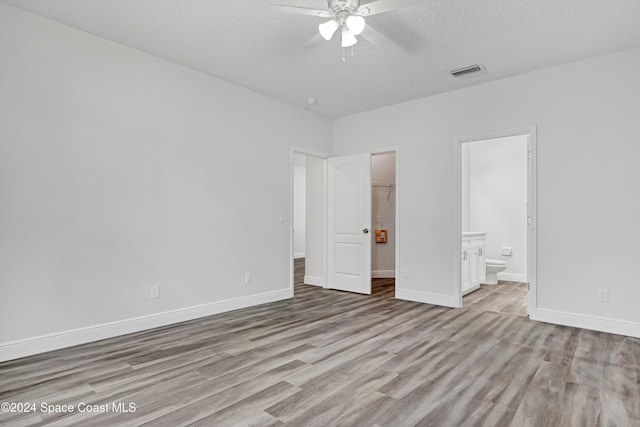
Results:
x,y
299,201
497,181
383,199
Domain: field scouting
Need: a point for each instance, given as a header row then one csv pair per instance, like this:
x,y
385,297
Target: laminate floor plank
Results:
x,y
269,366
247,411
505,297
541,403
376,409
326,411
20,420
581,406
428,399
326,384
331,358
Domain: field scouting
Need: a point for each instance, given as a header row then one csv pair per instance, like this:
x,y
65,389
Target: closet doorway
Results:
x,y
344,222
383,212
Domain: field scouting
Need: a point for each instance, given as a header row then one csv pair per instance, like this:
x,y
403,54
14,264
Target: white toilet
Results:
x,y
494,266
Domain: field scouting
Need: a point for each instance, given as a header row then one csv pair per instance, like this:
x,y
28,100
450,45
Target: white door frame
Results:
x,y
317,154
531,132
304,151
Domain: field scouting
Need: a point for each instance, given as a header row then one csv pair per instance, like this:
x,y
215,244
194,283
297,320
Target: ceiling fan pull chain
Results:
x,y
351,50
344,59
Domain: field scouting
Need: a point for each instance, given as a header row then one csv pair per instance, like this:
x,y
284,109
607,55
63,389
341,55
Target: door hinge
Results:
x,y
528,286
529,155
528,220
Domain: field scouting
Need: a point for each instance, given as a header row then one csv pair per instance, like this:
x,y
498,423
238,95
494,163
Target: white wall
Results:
x,y
497,171
299,202
315,221
587,140
383,210
119,170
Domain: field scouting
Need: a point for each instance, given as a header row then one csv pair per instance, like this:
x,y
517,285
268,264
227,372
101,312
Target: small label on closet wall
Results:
x,y
381,236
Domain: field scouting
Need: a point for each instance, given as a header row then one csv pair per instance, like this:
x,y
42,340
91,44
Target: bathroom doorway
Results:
x,y
496,223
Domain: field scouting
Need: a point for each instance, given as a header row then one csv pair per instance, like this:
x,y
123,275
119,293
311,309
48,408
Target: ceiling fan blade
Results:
x,y
373,36
314,41
382,6
294,10
390,30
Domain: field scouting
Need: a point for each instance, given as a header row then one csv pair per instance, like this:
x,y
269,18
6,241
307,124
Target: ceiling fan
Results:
x,y
348,16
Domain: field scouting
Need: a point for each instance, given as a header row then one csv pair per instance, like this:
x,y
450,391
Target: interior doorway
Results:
x,y
496,215
308,219
383,212
337,241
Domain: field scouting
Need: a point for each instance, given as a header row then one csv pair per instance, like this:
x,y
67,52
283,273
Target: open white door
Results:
x,y
349,223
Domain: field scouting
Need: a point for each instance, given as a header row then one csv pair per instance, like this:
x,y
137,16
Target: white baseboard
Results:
x,y
427,297
297,255
602,324
29,346
383,274
471,289
314,280
513,277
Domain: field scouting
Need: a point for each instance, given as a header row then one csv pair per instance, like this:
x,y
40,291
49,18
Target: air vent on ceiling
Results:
x,y
465,70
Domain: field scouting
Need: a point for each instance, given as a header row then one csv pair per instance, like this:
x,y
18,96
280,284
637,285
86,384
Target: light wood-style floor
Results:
x,y
329,358
505,297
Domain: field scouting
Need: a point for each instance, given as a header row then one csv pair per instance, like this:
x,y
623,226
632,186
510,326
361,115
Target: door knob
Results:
x,y
365,230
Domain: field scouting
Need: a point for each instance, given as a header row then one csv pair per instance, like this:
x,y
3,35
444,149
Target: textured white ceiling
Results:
x,y
245,42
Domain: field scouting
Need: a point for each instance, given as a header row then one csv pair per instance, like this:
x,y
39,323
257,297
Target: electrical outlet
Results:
x,y
405,274
155,291
247,278
603,295
284,217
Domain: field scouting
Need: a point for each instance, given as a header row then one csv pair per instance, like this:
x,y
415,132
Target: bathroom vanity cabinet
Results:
x,y
473,269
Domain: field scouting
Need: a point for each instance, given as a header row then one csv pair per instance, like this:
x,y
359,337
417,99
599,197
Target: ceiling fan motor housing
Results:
x,y
337,6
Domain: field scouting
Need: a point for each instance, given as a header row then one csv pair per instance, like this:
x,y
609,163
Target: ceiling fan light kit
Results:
x,y
347,15
328,29
348,39
355,24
